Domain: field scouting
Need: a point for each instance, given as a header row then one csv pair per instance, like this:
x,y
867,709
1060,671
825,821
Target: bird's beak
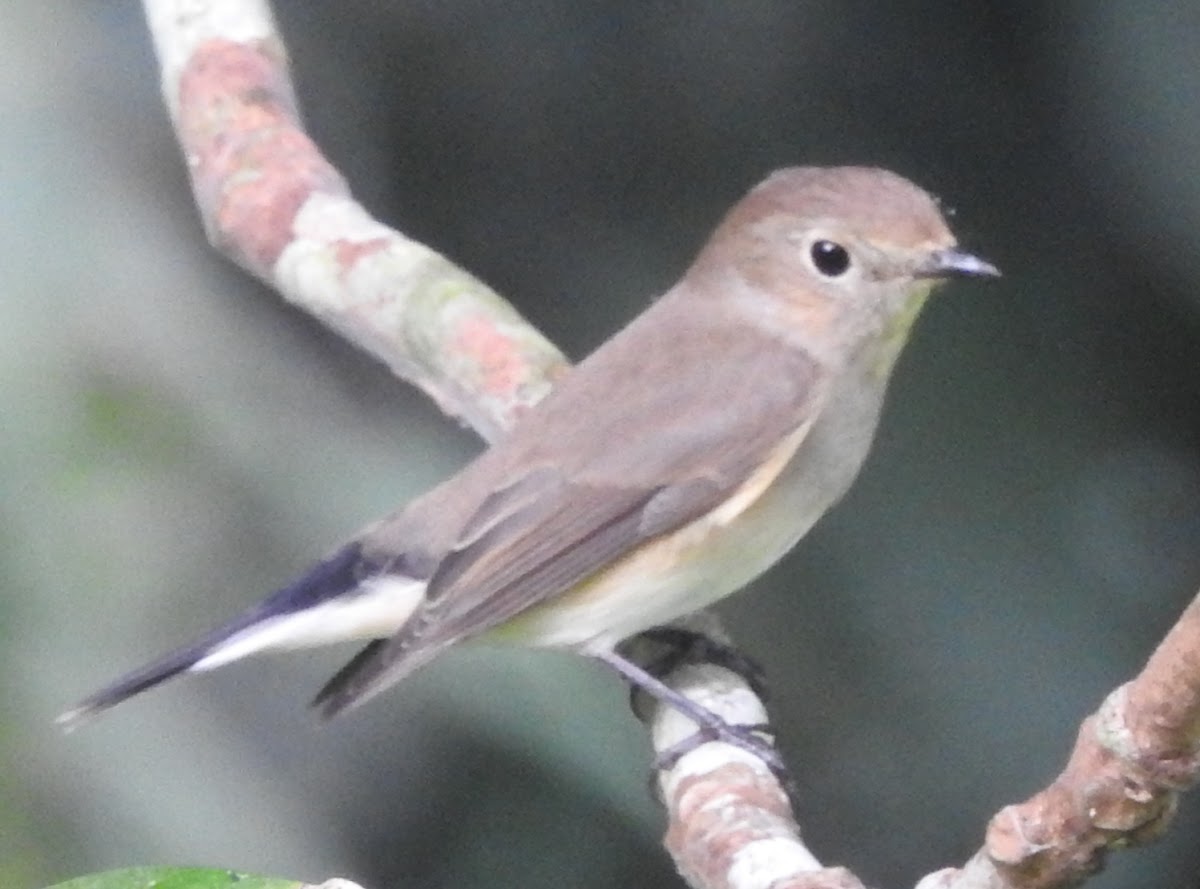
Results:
x,y
953,263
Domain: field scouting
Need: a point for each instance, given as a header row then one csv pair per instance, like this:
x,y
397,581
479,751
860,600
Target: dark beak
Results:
x,y
953,263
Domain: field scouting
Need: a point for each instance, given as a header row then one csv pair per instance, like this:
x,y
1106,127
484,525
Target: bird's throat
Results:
x,y
897,329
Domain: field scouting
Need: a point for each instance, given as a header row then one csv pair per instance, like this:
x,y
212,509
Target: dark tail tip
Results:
x,y
326,580
128,686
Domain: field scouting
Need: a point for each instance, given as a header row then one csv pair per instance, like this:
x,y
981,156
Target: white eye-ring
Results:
x,y
829,258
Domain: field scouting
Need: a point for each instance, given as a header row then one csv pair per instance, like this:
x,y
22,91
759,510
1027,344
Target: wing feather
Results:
x,y
581,484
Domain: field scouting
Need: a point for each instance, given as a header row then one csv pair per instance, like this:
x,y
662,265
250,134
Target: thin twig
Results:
x,y
1120,786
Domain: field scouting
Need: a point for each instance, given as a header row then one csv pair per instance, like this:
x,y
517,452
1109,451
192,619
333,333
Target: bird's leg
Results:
x,y
753,739
683,646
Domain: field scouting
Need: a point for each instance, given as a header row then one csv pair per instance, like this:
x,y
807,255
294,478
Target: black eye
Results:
x,y
830,259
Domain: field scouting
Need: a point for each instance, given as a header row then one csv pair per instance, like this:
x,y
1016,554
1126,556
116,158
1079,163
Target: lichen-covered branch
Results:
x,y
731,823
271,201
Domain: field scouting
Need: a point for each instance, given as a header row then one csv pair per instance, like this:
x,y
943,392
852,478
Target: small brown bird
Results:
x,y
671,467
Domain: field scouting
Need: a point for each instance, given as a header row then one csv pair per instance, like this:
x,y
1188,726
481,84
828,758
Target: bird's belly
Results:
x,y
706,560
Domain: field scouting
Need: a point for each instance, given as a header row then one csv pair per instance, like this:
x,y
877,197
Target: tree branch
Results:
x,y
1120,786
271,202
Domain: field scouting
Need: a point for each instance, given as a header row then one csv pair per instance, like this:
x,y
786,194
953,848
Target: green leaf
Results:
x,y
175,878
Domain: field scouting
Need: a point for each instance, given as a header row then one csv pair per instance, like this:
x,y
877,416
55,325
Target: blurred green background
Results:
x,y
174,441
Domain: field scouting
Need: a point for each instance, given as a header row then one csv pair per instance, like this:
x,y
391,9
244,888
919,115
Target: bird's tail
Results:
x,y
341,598
180,661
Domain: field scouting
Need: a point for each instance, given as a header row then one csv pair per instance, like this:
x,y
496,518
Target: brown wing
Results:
x,y
550,545
609,462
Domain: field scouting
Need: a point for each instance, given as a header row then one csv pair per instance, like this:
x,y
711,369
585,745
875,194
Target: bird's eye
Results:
x,y
830,259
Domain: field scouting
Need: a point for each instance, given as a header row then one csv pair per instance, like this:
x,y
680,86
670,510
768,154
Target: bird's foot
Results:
x,y
684,647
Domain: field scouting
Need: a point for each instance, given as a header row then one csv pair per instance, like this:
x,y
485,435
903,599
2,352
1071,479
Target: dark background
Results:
x,y
174,440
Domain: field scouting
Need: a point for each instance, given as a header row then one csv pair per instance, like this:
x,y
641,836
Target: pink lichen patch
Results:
x,y
718,813
348,253
252,166
499,363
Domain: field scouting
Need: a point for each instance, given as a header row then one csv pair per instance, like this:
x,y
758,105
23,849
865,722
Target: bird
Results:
x,y
668,469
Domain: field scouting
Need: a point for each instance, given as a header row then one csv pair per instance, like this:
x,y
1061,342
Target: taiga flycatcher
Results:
x,y
675,464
